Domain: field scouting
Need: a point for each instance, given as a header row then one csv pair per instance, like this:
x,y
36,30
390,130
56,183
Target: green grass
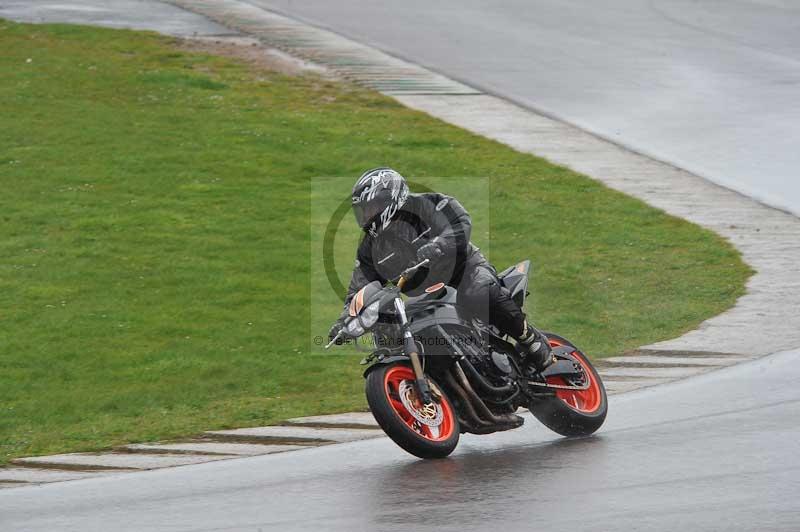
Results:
x,y
156,233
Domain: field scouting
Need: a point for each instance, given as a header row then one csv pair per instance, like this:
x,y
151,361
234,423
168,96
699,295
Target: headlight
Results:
x,y
370,315
354,328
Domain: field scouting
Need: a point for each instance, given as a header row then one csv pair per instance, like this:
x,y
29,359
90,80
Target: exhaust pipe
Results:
x,y
481,382
469,411
477,402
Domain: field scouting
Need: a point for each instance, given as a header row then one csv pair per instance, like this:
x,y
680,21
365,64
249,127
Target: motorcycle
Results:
x,y
436,373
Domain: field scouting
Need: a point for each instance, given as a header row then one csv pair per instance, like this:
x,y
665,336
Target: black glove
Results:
x,y
430,251
336,328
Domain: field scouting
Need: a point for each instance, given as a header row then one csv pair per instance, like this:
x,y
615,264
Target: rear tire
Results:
x,y
573,413
385,384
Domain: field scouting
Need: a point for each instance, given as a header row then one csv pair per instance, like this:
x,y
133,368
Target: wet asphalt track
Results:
x,y
714,452
710,86
133,14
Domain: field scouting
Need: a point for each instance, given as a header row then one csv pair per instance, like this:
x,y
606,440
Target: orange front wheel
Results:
x,y
424,430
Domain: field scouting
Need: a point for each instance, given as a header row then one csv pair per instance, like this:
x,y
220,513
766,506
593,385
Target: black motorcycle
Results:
x,y
436,373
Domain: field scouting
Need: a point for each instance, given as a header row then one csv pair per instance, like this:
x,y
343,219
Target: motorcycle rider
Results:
x,y
401,228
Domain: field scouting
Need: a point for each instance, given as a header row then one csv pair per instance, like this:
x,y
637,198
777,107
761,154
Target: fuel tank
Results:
x,y
438,307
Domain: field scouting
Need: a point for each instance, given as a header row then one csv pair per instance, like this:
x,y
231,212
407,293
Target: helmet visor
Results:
x,y
366,212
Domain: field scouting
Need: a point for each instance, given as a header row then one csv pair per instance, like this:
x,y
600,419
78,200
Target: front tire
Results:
x,y
426,431
573,413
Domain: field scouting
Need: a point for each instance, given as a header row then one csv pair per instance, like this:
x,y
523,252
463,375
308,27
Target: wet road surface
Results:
x,y
131,14
715,452
712,87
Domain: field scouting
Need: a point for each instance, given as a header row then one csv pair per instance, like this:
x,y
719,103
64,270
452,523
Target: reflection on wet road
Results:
x,y
714,452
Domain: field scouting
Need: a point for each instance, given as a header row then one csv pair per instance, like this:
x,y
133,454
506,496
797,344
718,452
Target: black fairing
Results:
x,y
430,309
515,279
444,295
439,308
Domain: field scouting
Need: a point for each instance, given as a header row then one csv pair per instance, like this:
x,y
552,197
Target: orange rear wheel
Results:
x,y
573,412
588,400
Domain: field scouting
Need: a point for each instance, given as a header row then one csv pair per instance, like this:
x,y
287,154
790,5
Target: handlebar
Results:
x,y
400,282
415,267
335,339
404,276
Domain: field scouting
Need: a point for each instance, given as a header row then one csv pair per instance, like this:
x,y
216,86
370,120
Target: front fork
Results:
x,y
410,349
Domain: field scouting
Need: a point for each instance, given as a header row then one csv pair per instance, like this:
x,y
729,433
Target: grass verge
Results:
x,y
155,238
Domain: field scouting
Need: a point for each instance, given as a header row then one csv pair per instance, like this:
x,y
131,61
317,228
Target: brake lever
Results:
x,y
335,339
412,269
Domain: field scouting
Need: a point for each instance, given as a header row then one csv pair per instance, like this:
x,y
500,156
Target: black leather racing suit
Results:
x,y
433,217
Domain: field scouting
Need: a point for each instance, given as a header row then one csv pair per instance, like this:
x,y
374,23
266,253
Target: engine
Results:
x,y
492,364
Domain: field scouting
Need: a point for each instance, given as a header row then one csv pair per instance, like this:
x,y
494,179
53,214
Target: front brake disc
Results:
x,y
430,414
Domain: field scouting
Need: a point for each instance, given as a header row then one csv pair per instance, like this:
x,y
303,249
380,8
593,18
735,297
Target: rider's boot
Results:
x,y
536,351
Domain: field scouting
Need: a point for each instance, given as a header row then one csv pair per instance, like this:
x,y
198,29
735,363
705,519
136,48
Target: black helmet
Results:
x,y
377,196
